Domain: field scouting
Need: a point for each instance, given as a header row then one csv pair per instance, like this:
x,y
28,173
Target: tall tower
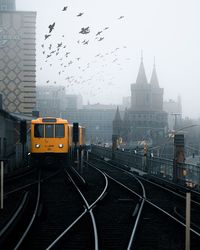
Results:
x,y
17,58
140,91
117,123
147,119
156,92
145,96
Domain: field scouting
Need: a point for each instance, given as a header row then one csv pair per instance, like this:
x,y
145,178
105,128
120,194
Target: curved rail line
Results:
x,y
88,209
15,215
32,219
152,204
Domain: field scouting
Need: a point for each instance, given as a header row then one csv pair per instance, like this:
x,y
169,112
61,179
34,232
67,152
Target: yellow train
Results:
x,y
54,137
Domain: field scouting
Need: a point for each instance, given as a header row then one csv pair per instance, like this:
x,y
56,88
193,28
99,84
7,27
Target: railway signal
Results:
x,y
75,132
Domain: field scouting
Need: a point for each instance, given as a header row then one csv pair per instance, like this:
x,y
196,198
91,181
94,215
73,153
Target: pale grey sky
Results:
x,y
168,30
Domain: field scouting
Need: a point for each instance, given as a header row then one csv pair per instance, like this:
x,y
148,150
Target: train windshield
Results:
x,y
39,130
49,130
59,131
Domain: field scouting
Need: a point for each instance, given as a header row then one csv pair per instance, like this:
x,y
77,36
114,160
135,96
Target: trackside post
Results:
x,y
187,219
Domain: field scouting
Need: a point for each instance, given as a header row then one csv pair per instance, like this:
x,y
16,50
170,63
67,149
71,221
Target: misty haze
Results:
x,y
99,124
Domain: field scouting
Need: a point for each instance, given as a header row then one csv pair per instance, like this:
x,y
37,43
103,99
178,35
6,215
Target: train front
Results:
x,y
49,138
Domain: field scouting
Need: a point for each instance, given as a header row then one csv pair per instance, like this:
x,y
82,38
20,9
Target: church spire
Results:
x,y
141,77
117,115
117,123
154,79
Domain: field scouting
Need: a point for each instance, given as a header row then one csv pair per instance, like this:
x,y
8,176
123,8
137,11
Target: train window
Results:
x,y
39,130
59,131
49,133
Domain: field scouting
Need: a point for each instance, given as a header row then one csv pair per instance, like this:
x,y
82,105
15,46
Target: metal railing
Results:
x,y
184,174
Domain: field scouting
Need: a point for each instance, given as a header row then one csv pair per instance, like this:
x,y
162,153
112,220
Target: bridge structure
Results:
x,y
171,170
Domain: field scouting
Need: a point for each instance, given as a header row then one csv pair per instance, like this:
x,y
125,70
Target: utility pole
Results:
x,y
187,219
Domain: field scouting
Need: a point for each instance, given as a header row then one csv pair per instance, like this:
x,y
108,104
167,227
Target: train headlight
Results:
x,y
60,145
37,145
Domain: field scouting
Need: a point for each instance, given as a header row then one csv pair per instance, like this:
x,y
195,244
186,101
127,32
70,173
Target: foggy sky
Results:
x,y
168,30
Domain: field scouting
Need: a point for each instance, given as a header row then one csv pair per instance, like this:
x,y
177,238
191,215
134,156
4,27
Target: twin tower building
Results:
x,y
145,120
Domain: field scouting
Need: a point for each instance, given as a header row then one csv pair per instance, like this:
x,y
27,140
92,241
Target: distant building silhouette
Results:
x,y
145,119
117,124
52,100
174,110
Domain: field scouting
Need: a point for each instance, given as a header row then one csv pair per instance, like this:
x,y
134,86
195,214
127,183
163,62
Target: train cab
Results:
x,y
49,136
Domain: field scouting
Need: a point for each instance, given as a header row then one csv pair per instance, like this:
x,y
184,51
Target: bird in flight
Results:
x,y
59,45
80,14
100,39
121,17
51,27
85,30
98,33
86,42
64,8
46,36
106,28
67,53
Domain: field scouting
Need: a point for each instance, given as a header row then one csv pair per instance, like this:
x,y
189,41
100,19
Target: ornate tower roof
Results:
x,y
141,77
154,79
117,116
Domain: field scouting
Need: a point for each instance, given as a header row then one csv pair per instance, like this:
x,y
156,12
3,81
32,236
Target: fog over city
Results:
x,y
95,47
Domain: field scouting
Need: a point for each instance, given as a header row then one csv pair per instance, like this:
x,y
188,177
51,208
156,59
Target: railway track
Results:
x,y
161,202
103,207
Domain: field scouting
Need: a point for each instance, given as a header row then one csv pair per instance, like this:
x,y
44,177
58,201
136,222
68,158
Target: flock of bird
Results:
x,y
66,59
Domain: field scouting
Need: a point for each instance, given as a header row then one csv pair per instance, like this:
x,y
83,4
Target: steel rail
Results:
x,y
154,205
105,188
143,198
32,219
14,215
67,229
20,188
87,209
